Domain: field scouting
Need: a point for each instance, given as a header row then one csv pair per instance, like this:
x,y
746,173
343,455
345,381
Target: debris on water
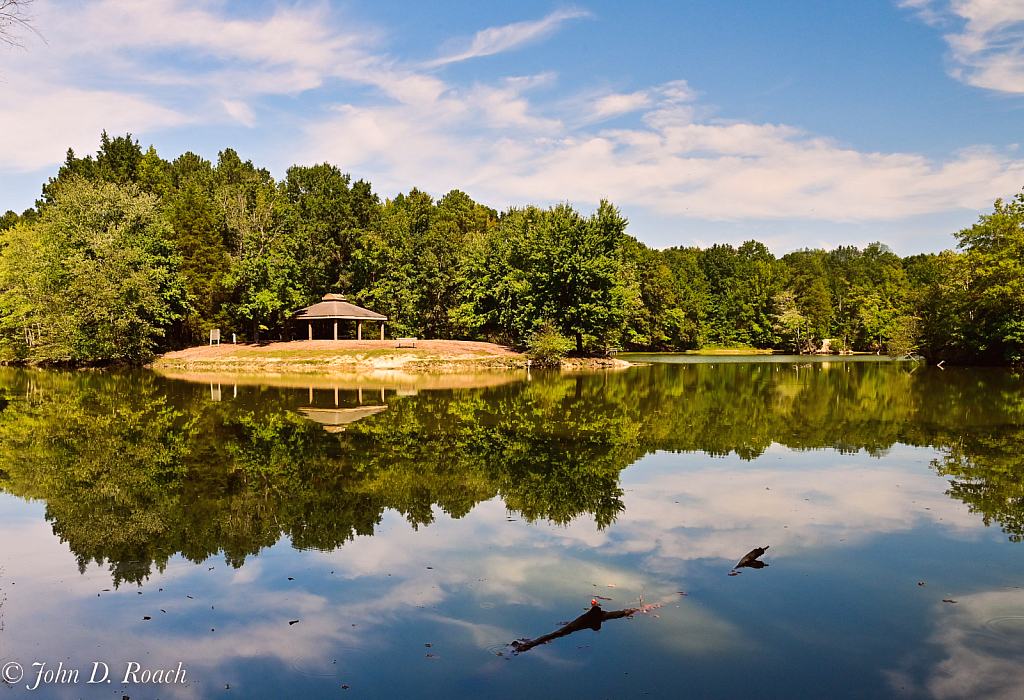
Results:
x,y
752,557
428,645
683,593
734,573
292,622
947,600
431,656
611,585
344,687
211,568
146,617
920,583
162,610
601,597
290,578
430,567
190,597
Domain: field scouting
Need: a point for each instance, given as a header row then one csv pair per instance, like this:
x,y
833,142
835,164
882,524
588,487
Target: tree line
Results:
x,y
127,254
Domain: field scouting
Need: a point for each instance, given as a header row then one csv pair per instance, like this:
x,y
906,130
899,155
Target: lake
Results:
x,y
391,536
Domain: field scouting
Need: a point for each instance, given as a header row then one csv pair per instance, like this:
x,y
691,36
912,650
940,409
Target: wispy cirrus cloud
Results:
x,y
492,40
987,47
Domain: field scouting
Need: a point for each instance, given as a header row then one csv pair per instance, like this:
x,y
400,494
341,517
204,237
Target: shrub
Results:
x,y
546,346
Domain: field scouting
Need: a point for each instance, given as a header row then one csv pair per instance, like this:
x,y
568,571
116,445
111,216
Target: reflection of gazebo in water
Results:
x,y
333,308
334,419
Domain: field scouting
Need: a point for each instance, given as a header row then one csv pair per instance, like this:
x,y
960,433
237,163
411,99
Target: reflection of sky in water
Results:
x,y
837,613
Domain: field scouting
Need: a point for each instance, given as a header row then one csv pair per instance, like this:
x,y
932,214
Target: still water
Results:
x,y
391,537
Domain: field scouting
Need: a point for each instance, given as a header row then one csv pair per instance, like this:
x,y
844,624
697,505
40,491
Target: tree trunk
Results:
x,y
579,342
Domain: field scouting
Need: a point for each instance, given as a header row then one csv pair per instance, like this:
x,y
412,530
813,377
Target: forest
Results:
x,y
127,254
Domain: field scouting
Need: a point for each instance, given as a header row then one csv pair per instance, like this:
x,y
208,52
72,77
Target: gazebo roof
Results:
x,y
335,306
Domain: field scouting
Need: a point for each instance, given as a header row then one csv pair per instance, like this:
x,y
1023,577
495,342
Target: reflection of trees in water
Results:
x,y
988,476
135,469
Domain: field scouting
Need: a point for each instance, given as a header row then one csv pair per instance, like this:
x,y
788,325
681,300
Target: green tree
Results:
x,y
984,292
96,278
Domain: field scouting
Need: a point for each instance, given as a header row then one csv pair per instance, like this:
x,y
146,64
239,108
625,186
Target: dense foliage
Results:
x,y
127,253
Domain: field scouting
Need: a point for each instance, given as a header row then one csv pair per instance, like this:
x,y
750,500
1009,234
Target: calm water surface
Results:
x,y
386,537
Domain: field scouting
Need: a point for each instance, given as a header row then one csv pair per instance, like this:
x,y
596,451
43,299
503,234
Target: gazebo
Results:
x,y
334,308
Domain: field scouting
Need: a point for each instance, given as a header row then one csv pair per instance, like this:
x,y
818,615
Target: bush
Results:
x,y
546,346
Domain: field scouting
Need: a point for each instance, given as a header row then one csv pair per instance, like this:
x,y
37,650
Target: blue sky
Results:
x,y
796,123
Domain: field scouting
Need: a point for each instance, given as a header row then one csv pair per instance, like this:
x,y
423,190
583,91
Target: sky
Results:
x,y
799,123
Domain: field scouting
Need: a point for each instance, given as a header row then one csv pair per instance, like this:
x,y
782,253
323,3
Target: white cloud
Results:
x,y
980,638
39,126
240,111
497,39
616,104
143,67
988,49
671,163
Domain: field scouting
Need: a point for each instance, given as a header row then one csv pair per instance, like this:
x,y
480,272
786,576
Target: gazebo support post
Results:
x,y
335,330
359,330
382,330
310,331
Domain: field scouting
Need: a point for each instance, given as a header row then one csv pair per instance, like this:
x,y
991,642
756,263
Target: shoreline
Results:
x,y
347,356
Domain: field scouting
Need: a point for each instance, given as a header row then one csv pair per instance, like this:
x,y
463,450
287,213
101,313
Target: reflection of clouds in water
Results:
x,y
351,620
797,500
725,507
982,640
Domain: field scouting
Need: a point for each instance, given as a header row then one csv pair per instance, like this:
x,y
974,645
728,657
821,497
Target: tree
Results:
x,y
14,17
584,287
985,292
788,319
118,160
96,278
903,339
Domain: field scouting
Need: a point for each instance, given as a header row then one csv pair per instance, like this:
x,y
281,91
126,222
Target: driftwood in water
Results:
x,y
591,620
750,559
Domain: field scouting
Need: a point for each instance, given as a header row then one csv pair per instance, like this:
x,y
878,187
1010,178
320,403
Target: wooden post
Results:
x,y
335,396
310,396
335,330
310,330
359,330
360,396
382,330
